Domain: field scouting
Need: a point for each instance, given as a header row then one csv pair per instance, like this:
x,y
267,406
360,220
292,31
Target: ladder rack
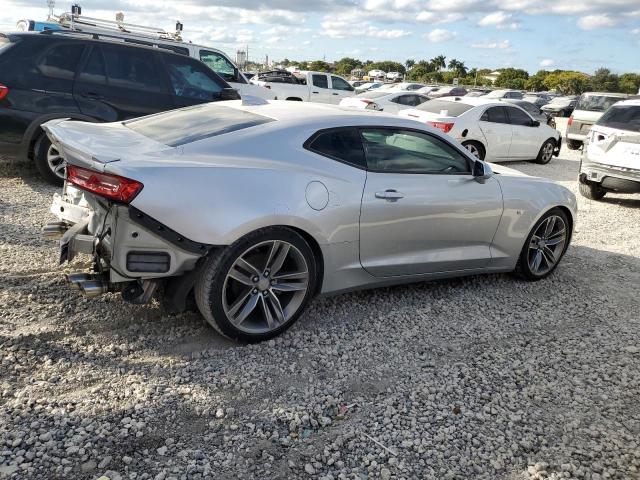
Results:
x,y
96,25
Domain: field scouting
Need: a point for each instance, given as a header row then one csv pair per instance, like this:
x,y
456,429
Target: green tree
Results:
x,y
409,63
629,83
604,81
512,78
567,82
346,64
387,66
457,67
319,66
439,62
536,82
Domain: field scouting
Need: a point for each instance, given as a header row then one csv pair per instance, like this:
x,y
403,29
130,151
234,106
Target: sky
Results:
x,y
529,34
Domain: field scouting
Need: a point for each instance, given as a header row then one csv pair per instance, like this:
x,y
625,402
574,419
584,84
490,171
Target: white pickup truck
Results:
x,y
317,87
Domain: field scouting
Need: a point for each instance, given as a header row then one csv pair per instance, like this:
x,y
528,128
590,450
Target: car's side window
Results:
x,y
339,84
392,150
420,99
408,100
342,144
132,68
518,117
320,81
190,79
495,115
219,64
94,70
61,61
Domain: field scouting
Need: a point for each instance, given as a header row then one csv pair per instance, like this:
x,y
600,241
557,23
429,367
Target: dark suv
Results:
x,y
49,75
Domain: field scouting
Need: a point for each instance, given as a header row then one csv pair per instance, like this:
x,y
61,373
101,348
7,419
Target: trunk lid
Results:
x,y
614,147
95,145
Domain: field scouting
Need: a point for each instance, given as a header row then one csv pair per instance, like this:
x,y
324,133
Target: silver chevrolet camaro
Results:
x,y
253,209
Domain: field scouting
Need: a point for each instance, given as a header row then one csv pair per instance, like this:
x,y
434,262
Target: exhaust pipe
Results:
x,y
54,231
94,288
74,279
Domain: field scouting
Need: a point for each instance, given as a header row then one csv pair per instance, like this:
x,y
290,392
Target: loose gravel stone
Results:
x,y
476,378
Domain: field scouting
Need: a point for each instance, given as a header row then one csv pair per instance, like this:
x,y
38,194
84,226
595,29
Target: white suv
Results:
x,y
611,158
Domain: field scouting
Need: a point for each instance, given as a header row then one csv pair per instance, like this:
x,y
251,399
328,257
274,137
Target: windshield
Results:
x,y
496,94
445,108
187,125
623,117
561,100
596,103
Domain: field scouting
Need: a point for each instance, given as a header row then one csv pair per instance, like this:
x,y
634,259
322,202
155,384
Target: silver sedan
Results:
x,y
255,209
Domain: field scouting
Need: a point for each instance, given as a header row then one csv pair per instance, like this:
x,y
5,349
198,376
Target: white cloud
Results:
x,y
437,18
500,20
440,35
636,31
591,22
344,28
503,45
546,62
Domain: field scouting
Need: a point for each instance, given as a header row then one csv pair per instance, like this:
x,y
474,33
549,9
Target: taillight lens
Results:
x,y
4,91
107,185
570,121
445,127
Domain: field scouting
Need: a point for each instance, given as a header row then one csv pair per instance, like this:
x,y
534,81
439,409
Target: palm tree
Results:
x,y
409,64
439,62
458,67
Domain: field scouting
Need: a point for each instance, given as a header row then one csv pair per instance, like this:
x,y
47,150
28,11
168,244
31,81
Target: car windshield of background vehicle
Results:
x,y
621,118
218,64
596,103
187,125
451,109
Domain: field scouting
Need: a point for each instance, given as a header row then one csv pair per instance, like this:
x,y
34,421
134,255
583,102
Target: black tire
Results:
x,y
523,269
40,154
574,144
211,280
591,190
478,148
545,155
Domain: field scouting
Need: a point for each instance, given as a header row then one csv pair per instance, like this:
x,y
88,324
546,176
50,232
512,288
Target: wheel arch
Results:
x,y
317,253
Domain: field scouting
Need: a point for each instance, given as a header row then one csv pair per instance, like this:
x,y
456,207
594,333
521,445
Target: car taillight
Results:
x,y
107,185
445,127
4,91
570,121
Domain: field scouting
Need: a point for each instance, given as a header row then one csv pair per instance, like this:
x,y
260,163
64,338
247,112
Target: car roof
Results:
x,y
635,102
474,101
607,94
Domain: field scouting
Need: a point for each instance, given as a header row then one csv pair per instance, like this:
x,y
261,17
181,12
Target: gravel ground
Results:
x,y
477,378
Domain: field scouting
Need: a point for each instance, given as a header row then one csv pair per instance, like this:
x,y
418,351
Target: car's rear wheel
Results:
x,y
49,161
256,288
591,190
574,144
545,246
475,148
546,152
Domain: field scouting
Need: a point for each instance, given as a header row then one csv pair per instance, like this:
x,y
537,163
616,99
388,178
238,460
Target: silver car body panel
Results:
x,y
217,190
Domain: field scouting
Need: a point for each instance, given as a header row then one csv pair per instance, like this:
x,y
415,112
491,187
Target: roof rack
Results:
x,y
78,23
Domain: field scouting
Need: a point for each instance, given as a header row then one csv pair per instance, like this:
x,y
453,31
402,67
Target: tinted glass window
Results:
x,y
445,108
596,103
61,61
320,81
622,117
408,100
179,127
132,68
219,64
405,151
518,117
191,79
530,108
94,70
339,84
495,115
342,144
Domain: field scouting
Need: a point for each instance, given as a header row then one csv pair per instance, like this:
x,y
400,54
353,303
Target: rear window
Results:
x,y
596,103
622,118
453,109
179,127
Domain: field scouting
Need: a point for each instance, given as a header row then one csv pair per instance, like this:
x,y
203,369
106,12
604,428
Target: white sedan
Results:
x,y
384,100
491,130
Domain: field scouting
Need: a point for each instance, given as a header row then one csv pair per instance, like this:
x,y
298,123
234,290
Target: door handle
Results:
x,y
335,94
390,195
92,95
314,92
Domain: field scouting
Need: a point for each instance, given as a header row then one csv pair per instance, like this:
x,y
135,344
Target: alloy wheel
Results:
x,y
547,245
547,152
475,151
57,164
265,286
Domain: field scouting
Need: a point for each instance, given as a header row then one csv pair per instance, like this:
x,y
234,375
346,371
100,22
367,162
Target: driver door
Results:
x,y
340,89
422,211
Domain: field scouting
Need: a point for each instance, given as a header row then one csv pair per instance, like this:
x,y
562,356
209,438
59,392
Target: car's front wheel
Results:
x,y
546,152
257,287
574,144
545,246
49,161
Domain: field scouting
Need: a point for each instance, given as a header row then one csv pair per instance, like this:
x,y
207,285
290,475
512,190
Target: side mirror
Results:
x,y
535,123
229,94
481,171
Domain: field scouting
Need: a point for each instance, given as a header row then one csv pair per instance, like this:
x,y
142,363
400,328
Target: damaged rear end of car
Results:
x,y
132,253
